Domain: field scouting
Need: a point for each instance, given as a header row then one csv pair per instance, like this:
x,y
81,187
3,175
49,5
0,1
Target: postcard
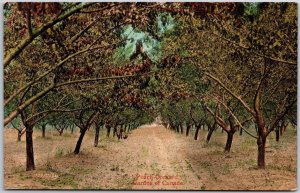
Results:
x,y
150,95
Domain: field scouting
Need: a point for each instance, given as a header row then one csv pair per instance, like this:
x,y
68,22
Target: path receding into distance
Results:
x,y
163,164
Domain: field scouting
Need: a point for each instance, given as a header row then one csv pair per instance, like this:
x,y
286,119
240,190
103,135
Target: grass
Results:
x,y
115,168
62,181
59,152
47,137
18,169
77,170
216,152
288,167
209,167
226,169
178,168
24,176
49,167
213,144
189,166
142,166
155,168
124,182
69,152
247,144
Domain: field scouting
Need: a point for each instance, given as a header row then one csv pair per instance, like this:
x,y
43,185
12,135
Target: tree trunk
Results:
x,y
187,130
115,131
181,128
241,131
19,135
43,131
107,131
72,130
97,129
277,132
281,130
29,149
229,141
78,144
197,131
210,132
61,132
177,128
261,143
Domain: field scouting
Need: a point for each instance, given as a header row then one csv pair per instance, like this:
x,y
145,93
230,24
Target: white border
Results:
x,y
2,84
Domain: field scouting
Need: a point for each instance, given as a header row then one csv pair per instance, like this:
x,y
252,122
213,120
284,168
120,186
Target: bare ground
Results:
x,y
151,158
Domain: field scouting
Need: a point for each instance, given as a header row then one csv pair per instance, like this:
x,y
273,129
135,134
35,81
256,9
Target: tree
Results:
x,y
83,119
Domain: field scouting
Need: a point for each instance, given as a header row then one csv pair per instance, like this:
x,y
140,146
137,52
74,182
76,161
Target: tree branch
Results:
x,y
280,116
231,93
25,104
29,27
15,112
101,78
54,111
51,70
254,52
218,120
75,37
17,50
237,120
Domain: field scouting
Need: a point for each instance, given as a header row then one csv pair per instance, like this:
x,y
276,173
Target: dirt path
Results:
x,y
165,167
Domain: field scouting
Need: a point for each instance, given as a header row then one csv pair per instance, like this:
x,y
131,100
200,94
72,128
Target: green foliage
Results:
x,y
189,72
251,8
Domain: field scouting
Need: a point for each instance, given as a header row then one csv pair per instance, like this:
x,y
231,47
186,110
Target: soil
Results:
x,y
152,157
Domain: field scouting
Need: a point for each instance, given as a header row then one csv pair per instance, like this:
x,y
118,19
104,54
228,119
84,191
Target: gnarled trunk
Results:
x,y
78,144
261,143
261,140
210,132
229,141
29,149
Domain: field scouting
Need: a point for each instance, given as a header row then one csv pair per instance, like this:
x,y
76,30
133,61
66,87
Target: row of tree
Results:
x,y
214,64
